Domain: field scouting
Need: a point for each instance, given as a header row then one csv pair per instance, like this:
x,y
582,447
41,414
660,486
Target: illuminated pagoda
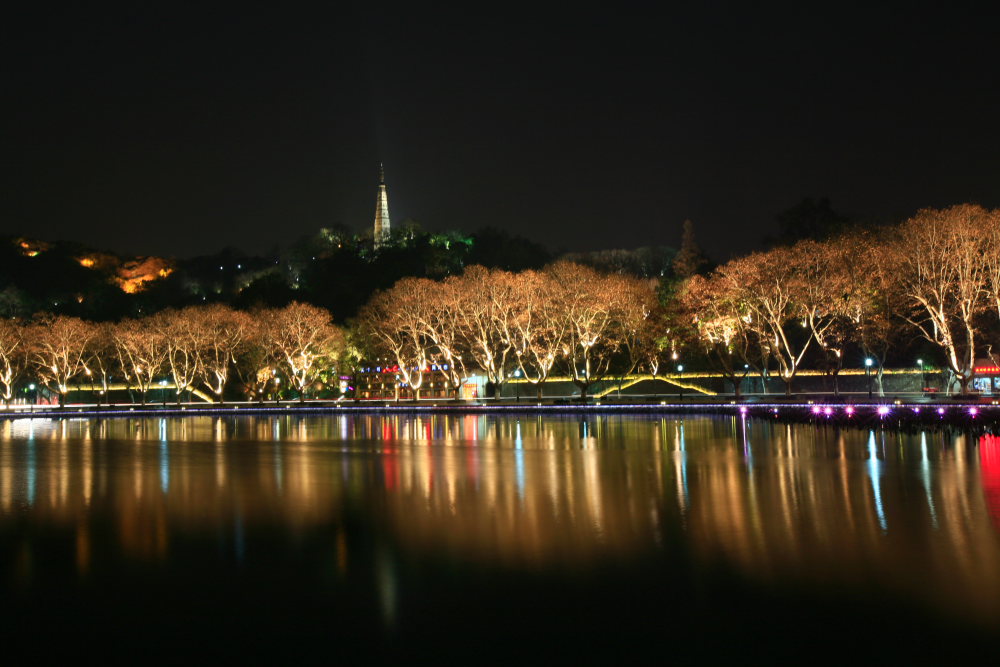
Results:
x,y
381,211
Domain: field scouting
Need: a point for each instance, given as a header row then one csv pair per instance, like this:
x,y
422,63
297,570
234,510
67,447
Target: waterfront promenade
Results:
x,y
968,411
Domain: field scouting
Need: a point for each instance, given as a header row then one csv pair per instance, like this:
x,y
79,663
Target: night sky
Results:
x,y
182,131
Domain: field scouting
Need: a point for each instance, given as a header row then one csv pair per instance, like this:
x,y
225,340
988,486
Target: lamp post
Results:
x,y
923,377
90,377
680,387
517,386
868,374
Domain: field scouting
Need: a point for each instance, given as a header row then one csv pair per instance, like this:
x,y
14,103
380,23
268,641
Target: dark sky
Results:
x,y
181,131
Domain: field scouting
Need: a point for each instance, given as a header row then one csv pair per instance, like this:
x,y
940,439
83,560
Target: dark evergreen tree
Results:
x,y
690,259
809,219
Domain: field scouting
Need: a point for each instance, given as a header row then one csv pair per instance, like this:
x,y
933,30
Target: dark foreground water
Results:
x,y
496,539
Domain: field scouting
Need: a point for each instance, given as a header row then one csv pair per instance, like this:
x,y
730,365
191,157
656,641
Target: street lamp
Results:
x,y
680,387
868,374
923,377
517,386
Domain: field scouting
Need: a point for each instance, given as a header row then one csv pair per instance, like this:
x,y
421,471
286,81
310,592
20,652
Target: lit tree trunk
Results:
x,y
13,357
59,344
943,260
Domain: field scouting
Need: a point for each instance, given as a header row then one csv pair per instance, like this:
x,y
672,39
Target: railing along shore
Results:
x,y
897,410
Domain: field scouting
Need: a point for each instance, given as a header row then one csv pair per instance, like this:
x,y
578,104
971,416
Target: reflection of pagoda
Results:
x,y
381,211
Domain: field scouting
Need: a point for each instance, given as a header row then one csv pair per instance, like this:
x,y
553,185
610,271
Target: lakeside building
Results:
x,y
987,380
385,383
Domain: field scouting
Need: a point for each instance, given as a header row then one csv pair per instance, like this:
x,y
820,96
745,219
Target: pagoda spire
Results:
x,y
381,234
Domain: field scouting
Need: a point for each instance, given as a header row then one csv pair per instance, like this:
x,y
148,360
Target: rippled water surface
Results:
x,y
480,538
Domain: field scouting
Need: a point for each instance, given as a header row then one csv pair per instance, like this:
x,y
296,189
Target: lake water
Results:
x,y
497,539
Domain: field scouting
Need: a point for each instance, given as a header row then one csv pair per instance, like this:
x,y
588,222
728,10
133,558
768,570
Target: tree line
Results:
x,y
565,319
199,348
935,277
860,293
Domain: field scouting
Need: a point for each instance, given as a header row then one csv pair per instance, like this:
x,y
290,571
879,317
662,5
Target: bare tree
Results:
x,y
391,322
829,298
58,346
872,295
767,288
221,333
719,325
590,305
183,340
537,327
941,259
255,360
486,319
443,305
13,357
100,360
141,347
304,339
990,230
642,326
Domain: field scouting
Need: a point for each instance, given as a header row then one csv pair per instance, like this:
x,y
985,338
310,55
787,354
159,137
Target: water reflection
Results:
x,y
916,514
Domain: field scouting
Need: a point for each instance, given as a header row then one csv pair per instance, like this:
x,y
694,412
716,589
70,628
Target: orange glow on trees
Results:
x,y
141,350
718,325
255,361
537,330
303,339
443,305
182,339
58,348
392,323
484,321
496,321
942,260
813,302
13,357
766,288
222,332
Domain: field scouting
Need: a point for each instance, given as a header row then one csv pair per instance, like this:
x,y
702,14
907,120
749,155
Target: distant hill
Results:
x,y
333,269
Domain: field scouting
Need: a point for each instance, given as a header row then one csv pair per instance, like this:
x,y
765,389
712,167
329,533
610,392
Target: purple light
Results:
x,y
827,411
883,410
743,410
973,411
849,410
815,409
940,411
916,408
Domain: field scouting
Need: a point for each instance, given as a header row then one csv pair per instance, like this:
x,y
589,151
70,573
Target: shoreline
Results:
x,y
953,412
